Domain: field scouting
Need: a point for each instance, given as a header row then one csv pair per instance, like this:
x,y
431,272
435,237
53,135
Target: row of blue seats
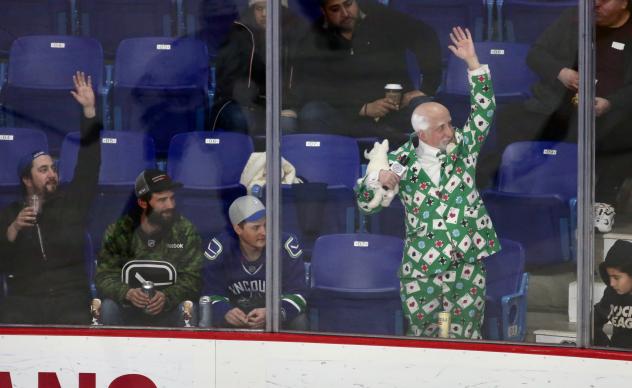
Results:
x,y
161,85
111,21
534,201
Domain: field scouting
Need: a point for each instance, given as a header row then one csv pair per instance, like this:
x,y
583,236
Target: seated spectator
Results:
x,y
551,114
42,239
153,243
240,97
343,65
235,273
616,303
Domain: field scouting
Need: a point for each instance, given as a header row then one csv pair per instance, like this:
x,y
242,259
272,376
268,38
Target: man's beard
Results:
x,y
164,219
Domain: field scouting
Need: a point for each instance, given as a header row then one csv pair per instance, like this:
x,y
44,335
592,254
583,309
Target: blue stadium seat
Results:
x,y
39,78
330,159
160,87
32,17
506,294
524,20
15,143
325,204
443,15
354,284
537,182
111,21
209,165
123,156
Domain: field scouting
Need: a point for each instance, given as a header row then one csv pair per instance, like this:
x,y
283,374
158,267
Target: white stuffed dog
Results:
x,y
378,160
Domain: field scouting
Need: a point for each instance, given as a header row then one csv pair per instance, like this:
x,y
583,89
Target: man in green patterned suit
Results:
x,y
448,230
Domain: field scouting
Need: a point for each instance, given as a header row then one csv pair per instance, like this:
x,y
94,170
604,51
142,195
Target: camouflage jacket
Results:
x,y
447,222
124,241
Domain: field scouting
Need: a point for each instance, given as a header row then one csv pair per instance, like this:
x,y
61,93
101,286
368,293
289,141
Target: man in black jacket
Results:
x,y
42,236
343,66
551,114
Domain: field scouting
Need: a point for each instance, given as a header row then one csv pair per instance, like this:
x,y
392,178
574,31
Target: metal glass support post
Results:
x,y
273,164
585,170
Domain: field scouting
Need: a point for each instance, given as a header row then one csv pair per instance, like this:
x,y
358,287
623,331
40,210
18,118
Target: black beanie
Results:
x,y
620,257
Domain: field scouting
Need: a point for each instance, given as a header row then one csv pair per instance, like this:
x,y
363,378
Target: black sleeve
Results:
x,y
7,216
600,318
233,63
83,187
544,58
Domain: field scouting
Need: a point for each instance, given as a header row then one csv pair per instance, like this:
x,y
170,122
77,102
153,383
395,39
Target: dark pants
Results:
x,y
71,309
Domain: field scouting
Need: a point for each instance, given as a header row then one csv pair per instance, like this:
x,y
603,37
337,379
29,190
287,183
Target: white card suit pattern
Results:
x,y
430,306
414,254
481,123
439,225
468,270
453,216
478,240
465,301
412,305
482,101
431,256
452,184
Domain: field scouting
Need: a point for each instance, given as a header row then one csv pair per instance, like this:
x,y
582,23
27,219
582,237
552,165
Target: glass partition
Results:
x,y
117,197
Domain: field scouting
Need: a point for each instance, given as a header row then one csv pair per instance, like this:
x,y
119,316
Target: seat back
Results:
x,y
443,15
154,62
32,17
50,61
209,165
506,293
39,78
354,284
111,21
208,160
330,159
123,156
160,87
539,167
504,270
524,20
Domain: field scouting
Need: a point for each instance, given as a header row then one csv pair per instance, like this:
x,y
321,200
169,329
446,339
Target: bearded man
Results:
x,y
155,245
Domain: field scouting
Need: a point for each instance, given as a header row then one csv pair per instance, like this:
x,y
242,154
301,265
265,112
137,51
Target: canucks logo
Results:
x,y
213,249
293,248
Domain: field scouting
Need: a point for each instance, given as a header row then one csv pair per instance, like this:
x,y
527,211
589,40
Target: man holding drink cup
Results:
x,y
342,67
42,236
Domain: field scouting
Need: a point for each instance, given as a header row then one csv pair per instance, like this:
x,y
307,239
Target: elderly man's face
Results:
x,y
341,14
440,132
610,13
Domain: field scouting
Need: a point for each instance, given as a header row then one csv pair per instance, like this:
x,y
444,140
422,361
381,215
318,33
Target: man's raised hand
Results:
x,y
463,47
84,94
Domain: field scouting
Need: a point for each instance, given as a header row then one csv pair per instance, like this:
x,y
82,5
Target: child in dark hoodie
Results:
x,y
616,304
